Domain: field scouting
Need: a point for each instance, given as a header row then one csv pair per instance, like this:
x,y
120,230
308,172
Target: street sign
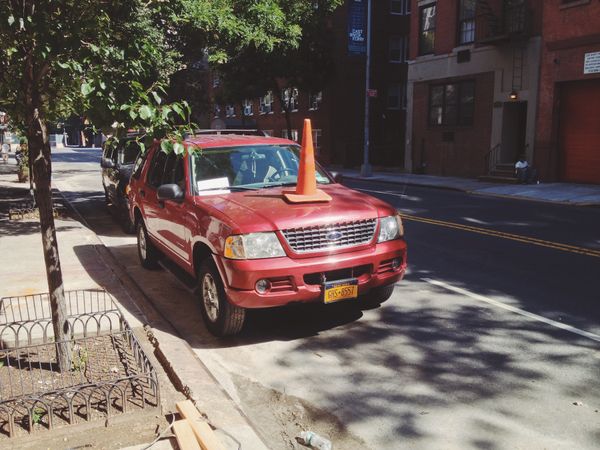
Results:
x,y
591,63
372,93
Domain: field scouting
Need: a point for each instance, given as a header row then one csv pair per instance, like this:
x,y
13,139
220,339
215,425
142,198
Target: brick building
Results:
x,y
567,144
337,112
472,85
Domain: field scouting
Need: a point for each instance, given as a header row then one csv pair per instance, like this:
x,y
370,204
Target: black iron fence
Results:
x,y
109,372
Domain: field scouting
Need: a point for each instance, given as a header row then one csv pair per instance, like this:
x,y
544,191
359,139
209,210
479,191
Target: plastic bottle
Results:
x,y
314,441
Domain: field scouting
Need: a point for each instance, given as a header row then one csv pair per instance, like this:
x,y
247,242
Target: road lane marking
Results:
x,y
522,312
494,233
509,236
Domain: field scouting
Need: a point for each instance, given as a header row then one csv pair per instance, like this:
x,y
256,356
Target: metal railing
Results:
x,y
492,158
109,371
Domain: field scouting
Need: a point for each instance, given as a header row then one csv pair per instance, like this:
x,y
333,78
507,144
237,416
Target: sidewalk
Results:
x,y
87,264
565,193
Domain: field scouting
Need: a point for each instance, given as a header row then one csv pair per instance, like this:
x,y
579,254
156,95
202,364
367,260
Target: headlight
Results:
x,y
390,228
253,246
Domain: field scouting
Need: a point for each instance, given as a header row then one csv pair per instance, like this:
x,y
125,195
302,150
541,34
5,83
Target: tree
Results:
x,y
306,64
110,61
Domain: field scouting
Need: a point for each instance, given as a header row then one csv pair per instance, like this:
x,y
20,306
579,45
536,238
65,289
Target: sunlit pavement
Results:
x,y
457,358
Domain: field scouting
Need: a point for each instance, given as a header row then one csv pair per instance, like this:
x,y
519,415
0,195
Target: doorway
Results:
x,y
514,131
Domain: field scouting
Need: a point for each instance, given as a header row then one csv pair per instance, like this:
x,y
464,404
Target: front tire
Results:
x,y
378,295
221,317
146,251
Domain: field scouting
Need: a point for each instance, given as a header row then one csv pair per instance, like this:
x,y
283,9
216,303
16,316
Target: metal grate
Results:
x,y
324,237
109,371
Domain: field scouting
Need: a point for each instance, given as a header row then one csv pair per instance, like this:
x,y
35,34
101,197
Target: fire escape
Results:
x,y
505,23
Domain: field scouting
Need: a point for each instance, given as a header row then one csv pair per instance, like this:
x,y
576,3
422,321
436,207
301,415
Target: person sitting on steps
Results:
x,y
524,172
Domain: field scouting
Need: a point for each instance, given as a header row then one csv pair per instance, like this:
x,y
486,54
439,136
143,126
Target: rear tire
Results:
x,y
221,317
146,251
127,224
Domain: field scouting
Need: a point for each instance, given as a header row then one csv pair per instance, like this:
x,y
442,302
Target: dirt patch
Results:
x,y
280,418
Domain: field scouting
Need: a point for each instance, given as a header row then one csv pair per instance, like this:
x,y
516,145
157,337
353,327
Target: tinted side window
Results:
x,y
129,153
139,164
174,172
157,168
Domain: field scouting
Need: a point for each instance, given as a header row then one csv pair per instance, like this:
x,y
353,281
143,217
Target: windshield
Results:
x,y
247,167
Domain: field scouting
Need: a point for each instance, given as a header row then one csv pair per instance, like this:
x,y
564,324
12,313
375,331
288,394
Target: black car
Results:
x,y
118,158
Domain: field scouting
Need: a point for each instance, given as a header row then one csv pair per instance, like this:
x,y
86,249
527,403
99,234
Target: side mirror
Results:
x,y
169,192
106,163
337,177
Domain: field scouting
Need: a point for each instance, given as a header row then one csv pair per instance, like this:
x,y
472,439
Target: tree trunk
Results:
x,y
39,154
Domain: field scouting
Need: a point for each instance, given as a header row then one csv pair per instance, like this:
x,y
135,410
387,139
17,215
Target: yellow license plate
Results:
x,y
335,292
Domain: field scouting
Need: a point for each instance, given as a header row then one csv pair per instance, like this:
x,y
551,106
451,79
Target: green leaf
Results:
x,y
11,19
87,89
156,97
178,110
178,148
166,146
133,114
146,112
142,146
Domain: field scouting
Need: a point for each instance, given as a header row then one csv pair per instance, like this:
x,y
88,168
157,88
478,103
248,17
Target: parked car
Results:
x,y
118,159
219,214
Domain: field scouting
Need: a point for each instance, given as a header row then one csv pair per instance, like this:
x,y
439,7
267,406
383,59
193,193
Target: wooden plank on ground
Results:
x,y
204,433
186,439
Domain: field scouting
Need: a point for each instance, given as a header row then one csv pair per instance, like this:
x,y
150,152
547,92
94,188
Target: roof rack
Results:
x,y
249,132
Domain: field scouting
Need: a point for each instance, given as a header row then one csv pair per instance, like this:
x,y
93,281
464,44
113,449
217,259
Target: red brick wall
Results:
x,y
568,33
466,155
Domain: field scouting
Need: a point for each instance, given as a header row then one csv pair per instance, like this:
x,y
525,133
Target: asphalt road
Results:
x,y
492,340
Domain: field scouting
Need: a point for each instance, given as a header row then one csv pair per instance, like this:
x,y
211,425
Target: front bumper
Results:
x,y
299,280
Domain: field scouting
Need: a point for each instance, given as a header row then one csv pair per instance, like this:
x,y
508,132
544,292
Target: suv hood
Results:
x,y
267,210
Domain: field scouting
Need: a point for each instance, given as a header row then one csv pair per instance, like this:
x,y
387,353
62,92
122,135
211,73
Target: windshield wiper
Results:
x,y
289,183
229,188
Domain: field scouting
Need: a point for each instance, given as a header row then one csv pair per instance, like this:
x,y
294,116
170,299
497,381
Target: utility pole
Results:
x,y
365,169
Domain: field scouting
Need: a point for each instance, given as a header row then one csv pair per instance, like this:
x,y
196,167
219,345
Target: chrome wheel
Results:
x,y
142,243
210,296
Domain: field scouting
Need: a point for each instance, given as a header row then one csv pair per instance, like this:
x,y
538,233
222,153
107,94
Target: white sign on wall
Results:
x,y
591,63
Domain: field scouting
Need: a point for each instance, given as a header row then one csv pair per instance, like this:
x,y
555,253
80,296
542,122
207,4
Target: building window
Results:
x,y
398,50
316,135
290,98
294,137
466,22
248,107
230,110
315,100
266,103
426,29
452,104
396,94
401,7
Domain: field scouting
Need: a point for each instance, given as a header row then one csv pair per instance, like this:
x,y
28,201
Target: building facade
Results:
x,y
337,111
567,144
473,85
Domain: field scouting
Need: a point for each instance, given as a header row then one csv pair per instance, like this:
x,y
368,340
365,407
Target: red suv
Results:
x,y
220,214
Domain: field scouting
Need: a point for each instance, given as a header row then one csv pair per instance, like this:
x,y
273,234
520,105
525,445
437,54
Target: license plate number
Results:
x,y
340,290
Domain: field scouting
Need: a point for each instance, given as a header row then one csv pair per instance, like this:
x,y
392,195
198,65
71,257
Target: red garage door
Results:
x,y
580,131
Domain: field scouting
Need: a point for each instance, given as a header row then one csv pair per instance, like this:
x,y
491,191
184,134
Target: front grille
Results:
x,y
324,237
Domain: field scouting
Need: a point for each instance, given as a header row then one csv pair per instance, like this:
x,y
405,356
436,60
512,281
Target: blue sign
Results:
x,y
357,27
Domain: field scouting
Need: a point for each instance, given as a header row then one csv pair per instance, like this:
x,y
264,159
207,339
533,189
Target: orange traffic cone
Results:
x,y
306,186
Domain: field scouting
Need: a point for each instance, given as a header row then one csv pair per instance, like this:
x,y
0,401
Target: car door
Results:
x,y
148,194
173,229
